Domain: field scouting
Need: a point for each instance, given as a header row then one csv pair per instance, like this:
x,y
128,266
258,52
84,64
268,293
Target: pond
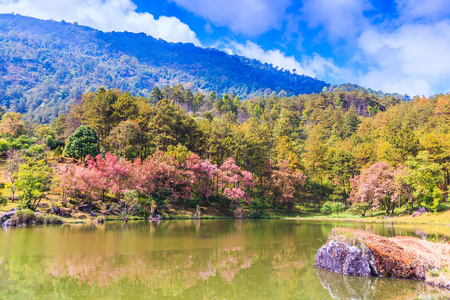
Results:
x,y
187,259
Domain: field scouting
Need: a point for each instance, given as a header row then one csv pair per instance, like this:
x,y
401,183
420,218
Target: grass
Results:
x,y
216,212
400,216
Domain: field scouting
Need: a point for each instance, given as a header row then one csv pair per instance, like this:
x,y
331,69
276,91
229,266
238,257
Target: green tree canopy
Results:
x,y
83,142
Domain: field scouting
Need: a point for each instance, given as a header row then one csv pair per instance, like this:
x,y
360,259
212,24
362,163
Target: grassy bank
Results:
x,y
439,218
215,212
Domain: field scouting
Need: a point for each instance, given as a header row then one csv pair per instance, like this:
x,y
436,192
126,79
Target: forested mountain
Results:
x,y
46,65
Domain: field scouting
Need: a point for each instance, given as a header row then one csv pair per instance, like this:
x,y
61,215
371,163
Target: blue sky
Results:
x,y
395,46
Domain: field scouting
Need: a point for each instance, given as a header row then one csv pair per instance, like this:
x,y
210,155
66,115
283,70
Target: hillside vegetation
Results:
x,y
46,65
329,152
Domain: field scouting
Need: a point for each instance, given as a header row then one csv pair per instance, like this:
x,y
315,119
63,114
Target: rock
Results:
x,y
5,224
63,212
43,204
6,216
79,216
344,259
354,252
84,208
420,211
387,217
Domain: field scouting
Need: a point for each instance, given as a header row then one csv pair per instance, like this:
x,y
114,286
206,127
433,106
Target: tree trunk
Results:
x,y
321,189
314,195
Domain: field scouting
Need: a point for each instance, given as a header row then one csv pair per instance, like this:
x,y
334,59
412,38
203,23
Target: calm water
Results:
x,y
211,259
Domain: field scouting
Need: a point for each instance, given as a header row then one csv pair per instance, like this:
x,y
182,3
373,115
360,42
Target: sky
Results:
x,y
398,46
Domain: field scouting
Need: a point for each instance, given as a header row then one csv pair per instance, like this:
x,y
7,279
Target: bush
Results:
x,y
23,217
332,208
3,201
359,209
338,208
4,145
53,220
257,208
327,208
27,217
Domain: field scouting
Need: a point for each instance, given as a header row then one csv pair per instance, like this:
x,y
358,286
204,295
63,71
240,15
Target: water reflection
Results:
x,y
355,287
184,259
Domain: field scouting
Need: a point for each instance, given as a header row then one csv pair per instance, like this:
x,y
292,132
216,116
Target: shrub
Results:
x,y
327,208
338,207
27,217
359,209
22,218
53,220
3,200
332,208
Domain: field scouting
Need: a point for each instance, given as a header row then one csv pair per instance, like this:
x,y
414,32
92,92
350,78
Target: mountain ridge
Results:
x,y
46,65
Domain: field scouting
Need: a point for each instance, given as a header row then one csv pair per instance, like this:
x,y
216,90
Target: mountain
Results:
x,y
46,65
348,87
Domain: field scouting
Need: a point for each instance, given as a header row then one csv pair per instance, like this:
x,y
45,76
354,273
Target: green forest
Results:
x,y
177,149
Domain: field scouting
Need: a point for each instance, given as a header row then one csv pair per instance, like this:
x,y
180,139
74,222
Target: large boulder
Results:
x,y
345,259
420,211
354,252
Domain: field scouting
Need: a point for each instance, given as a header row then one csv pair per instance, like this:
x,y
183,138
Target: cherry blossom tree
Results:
x,y
286,183
375,186
235,182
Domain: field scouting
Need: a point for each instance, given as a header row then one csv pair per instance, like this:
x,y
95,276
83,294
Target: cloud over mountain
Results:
x,y
107,15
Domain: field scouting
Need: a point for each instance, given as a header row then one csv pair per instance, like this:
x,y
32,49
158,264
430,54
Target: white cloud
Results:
x,y
339,18
420,9
275,57
412,59
250,17
311,66
106,15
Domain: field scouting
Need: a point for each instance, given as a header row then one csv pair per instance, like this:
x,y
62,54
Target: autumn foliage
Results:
x,y
184,177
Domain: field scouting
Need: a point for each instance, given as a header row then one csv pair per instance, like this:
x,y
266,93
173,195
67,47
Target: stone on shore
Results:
x,y
354,252
4,218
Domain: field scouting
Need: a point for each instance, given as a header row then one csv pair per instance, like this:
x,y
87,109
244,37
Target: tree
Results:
x,y
33,180
13,161
375,186
342,166
12,124
405,143
112,174
314,158
169,125
286,183
425,176
351,122
128,205
234,181
124,134
156,95
81,143
3,200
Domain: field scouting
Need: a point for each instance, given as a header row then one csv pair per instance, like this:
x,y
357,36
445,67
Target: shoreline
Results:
x,y
367,221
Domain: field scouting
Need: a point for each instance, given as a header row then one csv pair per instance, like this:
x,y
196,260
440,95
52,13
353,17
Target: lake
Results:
x,y
187,259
